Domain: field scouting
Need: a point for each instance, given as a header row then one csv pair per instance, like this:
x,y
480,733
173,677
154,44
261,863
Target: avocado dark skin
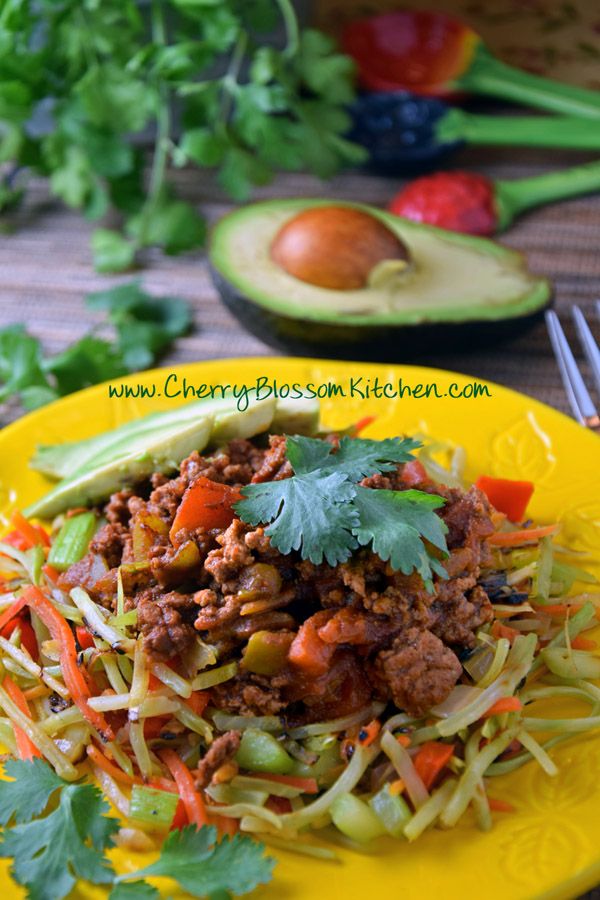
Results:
x,y
371,343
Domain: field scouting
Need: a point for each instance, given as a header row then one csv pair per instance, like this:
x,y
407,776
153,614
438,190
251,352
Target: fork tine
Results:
x,y
590,347
579,399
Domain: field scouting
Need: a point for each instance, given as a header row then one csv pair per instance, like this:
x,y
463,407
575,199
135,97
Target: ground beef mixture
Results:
x,y
384,636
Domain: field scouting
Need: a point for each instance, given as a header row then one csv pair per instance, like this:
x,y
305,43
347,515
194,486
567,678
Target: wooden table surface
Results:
x,y
45,270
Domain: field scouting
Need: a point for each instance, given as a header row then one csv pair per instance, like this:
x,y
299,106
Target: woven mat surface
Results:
x,y
45,270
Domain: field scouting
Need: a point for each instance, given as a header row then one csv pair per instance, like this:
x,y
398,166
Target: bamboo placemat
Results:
x,y
45,270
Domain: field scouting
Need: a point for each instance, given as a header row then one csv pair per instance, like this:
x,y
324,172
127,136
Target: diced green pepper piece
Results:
x,y
266,652
328,761
259,751
393,811
152,807
354,818
72,541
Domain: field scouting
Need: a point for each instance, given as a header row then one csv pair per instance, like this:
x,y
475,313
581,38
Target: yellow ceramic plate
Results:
x,y
549,847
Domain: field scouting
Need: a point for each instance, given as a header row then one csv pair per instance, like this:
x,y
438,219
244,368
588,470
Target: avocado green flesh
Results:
x,y
159,442
456,277
98,483
284,415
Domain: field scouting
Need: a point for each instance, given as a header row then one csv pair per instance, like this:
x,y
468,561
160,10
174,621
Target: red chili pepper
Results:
x,y
458,201
507,496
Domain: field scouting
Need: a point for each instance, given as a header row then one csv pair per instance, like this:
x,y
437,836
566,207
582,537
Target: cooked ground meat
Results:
x,y
222,750
162,621
109,541
274,466
382,634
418,670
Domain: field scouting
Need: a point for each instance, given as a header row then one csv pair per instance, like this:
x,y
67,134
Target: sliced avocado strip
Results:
x,y
162,454
243,423
62,460
459,288
161,442
296,416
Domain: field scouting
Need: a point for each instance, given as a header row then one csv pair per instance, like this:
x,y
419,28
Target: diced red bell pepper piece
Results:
x,y
507,496
205,504
432,758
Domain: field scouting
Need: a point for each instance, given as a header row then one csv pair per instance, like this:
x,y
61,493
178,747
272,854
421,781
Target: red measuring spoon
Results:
x,y
473,204
438,55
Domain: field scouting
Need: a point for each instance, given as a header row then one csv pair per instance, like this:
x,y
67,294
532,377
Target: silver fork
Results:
x,y
578,395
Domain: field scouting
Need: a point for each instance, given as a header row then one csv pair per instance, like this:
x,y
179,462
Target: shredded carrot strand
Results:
x,y
500,805
40,690
193,802
516,538
403,740
368,733
73,676
105,764
198,701
397,787
498,630
32,534
504,705
9,614
51,573
561,610
583,643
25,746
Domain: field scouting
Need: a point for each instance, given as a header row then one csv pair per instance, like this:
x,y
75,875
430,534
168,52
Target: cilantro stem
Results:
x,y
230,79
290,21
163,130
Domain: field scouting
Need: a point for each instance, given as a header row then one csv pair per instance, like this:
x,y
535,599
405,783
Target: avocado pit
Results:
x,y
338,247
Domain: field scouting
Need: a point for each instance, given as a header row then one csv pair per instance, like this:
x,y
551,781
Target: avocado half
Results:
x,y
465,292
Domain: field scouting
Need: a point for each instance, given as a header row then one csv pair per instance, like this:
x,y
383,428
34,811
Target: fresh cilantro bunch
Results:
x,y
143,327
58,833
322,511
79,78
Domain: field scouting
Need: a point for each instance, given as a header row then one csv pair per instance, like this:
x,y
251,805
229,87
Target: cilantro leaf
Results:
x,y
133,890
360,457
112,251
50,853
322,512
144,327
356,458
395,522
307,454
202,867
198,76
27,794
308,512
20,361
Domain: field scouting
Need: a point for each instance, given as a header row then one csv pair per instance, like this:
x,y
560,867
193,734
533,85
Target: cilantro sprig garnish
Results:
x,y
209,83
324,513
60,832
